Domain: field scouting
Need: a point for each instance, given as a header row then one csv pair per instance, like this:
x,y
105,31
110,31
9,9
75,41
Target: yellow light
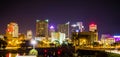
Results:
x,y
9,42
9,54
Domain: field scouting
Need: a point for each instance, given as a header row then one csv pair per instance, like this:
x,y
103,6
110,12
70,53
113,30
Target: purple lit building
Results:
x,y
117,38
51,29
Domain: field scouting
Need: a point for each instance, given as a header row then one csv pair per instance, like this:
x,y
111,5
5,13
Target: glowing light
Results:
x,y
51,27
37,20
74,25
77,30
58,52
33,42
92,25
116,36
27,56
117,39
82,26
68,22
113,51
47,20
9,54
45,50
17,55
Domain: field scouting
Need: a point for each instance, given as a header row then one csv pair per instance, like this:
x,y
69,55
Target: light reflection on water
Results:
x,y
17,54
10,54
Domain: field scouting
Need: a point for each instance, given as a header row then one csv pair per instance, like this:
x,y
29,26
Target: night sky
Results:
x,y
106,14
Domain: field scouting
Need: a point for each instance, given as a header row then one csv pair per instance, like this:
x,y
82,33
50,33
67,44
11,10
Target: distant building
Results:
x,y
2,37
29,34
78,26
63,28
74,27
107,40
51,29
58,36
12,29
22,36
83,38
93,28
117,38
41,28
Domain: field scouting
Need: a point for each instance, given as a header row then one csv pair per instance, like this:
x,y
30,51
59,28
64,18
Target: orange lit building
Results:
x,y
12,30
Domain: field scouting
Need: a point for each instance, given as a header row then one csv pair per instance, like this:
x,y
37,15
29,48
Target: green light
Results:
x,y
47,20
37,20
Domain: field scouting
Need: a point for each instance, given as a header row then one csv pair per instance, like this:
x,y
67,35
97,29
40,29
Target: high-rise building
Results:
x,y
12,29
51,29
29,34
78,26
41,28
93,28
63,28
58,36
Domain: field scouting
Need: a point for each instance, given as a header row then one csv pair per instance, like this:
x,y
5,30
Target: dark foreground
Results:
x,y
57,52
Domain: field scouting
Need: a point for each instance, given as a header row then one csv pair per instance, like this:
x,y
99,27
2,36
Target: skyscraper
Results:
x,y
29,34
12,29
63,28
93,28
78,26
51,29
41,28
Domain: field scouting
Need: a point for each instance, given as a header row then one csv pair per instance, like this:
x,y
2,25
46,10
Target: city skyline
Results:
x,y
104,13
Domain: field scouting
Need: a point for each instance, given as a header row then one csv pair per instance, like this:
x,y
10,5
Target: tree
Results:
x,y
57,43
25,44
95,44
3,44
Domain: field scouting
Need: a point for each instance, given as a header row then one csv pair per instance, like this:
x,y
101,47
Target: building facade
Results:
x,y
51,29
12,29
82,38
29,34
41,28
58,36
63,28
77,26
93,28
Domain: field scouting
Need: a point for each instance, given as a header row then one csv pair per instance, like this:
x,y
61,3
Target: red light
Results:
x,y
45,55
58,52
45,50
92,25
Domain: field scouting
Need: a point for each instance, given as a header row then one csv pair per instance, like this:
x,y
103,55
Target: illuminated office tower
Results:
x,y
64,28
80,26
51,29
12,29
41,28
93,28
58,36
29,34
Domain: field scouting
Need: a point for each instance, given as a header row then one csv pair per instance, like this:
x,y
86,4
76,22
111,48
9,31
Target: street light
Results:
x,y
33,42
